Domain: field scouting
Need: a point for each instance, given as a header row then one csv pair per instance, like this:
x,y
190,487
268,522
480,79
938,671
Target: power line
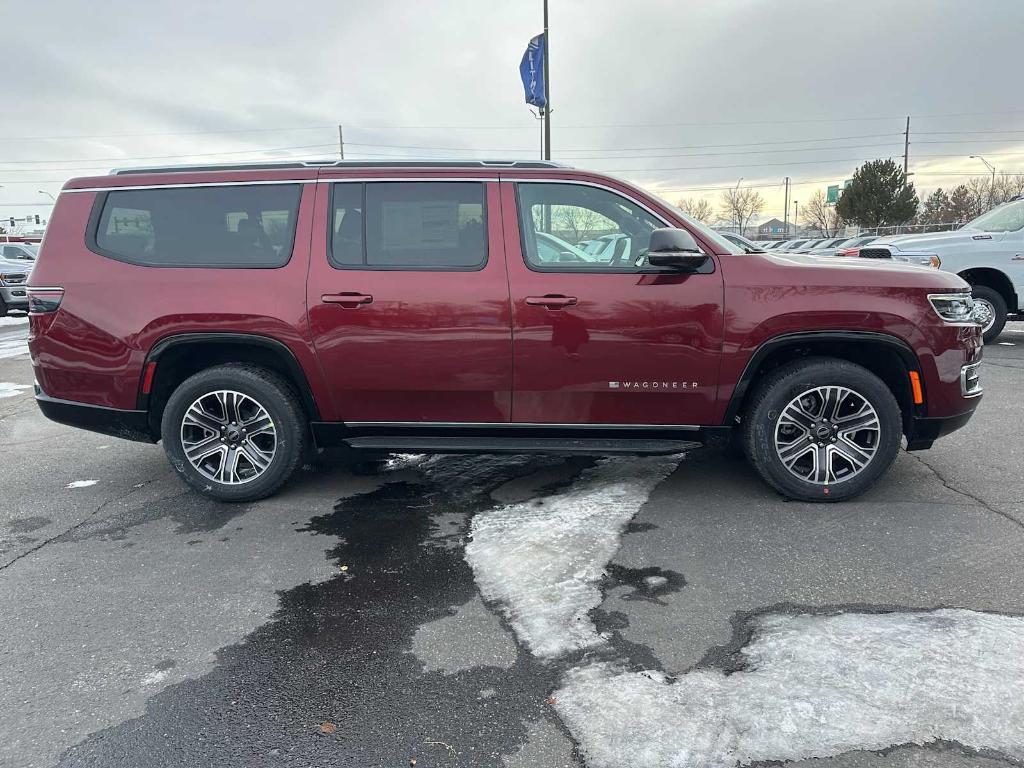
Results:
x,y
167,157
175,133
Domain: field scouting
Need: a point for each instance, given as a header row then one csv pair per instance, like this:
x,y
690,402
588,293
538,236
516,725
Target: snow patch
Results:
x,y
814,686
11,348
81,483
14,320
1007,344
10,390
152,678
542,559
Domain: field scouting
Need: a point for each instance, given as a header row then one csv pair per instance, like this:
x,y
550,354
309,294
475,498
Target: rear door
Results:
x,y
605,339
408,299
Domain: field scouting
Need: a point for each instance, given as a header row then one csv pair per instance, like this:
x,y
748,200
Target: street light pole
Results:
x,y
796,214
991,189
547,87
48,194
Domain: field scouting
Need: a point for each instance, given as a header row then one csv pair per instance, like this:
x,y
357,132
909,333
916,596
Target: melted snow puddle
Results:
x,y
815,686
11,348
7,389
542,559
81,483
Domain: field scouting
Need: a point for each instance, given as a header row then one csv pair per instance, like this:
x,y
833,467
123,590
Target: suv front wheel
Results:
x,y
822,429
234,432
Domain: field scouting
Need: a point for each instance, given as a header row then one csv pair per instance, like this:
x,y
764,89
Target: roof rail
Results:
x,y
286,164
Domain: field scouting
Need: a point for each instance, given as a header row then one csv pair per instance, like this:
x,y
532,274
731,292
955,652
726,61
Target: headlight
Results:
x,y
953,307
925,260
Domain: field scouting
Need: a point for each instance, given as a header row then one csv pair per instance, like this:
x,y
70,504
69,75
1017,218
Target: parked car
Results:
x,y
14,274
268,310
828,246
987,252
852,246
747,246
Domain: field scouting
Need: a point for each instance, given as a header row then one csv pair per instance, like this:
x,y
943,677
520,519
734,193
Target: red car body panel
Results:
x,y
431,347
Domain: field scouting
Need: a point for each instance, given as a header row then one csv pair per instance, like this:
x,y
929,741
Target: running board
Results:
x,y
577,446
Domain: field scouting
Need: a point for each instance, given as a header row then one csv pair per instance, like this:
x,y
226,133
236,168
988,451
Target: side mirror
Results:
x,y
676,249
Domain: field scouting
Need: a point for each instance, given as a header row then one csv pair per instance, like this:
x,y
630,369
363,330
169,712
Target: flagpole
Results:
x,y
547,88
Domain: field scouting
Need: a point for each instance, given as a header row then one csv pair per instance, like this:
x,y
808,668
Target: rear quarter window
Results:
x,y
229,227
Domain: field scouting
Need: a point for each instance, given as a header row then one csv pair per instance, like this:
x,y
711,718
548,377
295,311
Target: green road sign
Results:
x,y
832,196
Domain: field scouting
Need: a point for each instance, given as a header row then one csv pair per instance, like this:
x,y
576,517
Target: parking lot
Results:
x,y
510,611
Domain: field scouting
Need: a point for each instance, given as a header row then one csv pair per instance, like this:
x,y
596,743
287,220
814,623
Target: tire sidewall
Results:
x,y
272,397
826,373
995,299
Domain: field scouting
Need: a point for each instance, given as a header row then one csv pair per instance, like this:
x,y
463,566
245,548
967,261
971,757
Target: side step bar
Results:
x,y
570,445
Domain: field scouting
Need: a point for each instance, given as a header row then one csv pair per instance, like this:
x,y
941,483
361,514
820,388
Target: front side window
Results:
x,y
573,227
418,225
229,226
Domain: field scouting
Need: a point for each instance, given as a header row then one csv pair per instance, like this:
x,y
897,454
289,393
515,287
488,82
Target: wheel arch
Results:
x,y
180,356
995,279
888,357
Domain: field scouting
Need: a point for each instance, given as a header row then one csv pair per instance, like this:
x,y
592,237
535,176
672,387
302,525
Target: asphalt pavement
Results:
x,y
464,610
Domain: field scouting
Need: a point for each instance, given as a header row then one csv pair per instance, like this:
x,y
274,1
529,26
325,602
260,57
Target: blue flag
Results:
x,y
531,69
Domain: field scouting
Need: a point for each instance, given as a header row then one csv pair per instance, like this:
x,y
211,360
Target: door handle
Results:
x,y
551,301
347,299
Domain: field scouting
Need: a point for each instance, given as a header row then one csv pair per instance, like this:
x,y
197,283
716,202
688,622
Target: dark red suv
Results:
x,y
248,315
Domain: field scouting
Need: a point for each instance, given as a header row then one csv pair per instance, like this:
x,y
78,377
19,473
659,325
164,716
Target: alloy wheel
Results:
x,y
827,435
984,314
228,437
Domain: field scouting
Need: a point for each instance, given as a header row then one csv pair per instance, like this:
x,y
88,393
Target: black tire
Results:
x,y
788,382
998,304
3,308
266,388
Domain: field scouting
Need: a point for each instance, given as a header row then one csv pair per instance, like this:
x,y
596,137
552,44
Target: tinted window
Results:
x,y
232,226
409,225
568,227
14,252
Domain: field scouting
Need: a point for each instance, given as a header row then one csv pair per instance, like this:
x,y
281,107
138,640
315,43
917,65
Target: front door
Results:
x,y
600,337
408,300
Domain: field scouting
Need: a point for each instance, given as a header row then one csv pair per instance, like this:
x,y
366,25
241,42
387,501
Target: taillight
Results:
x,y
42,301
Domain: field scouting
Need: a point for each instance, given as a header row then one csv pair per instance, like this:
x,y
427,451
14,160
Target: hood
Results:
x,y
16,266
935,241
853,271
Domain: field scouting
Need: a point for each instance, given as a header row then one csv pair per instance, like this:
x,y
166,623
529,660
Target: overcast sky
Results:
x,y
642,89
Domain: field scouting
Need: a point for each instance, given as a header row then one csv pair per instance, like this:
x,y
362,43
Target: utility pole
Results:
x,y
547,87
785,211
341,143
906,147
796,214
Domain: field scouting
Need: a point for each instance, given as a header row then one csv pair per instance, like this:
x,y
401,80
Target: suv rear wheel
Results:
x,y
234,432
822,429
991,311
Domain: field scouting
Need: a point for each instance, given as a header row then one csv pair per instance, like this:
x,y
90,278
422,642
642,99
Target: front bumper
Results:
x,y
130,425
925,430
14,296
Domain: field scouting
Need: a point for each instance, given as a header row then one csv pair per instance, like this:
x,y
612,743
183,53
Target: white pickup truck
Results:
x,y
987,252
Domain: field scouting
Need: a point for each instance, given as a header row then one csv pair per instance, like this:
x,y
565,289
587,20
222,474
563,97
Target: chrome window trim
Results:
x,y
518,424
605,187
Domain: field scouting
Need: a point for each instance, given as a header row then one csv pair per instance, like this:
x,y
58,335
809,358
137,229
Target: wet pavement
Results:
x,y
341,623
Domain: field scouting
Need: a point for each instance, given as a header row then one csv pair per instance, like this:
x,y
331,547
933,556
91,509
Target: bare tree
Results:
x,y
577,221
821,216
699,209
740,205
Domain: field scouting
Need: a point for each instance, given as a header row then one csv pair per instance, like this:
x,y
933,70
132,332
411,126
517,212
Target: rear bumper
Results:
x,y
926,430
130,425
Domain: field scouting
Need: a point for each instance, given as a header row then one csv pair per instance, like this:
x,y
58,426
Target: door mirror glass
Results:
x,y
675,249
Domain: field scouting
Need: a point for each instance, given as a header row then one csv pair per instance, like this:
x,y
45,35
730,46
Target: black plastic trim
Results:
x,y
294,368
588,446
925,430
130,425
795,339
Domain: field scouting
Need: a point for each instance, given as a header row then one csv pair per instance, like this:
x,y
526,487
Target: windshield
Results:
x,y
1005,218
